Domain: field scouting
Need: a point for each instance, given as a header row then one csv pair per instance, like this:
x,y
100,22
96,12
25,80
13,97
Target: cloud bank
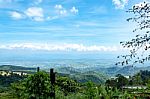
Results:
x,y
60,47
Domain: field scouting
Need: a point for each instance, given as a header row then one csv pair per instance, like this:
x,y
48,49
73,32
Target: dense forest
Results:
x,y
39,85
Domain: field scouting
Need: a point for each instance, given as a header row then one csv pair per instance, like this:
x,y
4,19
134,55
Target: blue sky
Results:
x,y
64,25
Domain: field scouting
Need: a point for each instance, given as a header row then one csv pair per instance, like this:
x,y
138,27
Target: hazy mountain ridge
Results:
x,y
95,74
110,71
15,68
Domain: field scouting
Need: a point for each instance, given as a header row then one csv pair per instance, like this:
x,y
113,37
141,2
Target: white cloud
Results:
x,y
16,15
63,12
38,18
141,4
74,10
61,47
120,4
52,17
38,1
58,7
36,13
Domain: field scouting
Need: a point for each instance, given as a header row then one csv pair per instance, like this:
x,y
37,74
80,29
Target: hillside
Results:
x,y
95,74
83,76
95,77
109,71
16,68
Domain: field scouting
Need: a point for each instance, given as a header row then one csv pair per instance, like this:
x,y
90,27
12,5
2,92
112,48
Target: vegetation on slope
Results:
x,y
16,68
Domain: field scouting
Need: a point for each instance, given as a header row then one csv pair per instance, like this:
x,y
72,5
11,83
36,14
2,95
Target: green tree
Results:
x,y
137,80
111,82
141,78
36,86
18,90
67,85
91,90
5,81
140,45
121,81
118,82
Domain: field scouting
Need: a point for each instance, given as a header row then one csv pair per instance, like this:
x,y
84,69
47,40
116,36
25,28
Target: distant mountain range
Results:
x,y
109,71
98,74
95,74
16,68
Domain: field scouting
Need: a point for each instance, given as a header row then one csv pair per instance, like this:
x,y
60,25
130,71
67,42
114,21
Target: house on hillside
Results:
x,y
134,87
113,78
19,73
5,73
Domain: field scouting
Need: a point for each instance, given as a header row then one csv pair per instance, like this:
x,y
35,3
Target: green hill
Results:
x,y
16,68
95,77
82,77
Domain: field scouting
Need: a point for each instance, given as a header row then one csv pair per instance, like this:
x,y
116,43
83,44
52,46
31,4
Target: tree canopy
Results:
x,y
139,46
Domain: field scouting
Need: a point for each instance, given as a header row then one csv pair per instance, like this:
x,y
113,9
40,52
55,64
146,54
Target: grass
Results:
x,y
6,95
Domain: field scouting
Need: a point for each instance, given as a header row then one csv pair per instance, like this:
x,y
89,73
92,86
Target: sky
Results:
x,y
87,27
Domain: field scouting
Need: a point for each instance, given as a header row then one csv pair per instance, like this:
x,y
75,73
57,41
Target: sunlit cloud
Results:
x,y
64,12
74,10
120,4
58,6
61,47
36,13
61,10
16,15
38,1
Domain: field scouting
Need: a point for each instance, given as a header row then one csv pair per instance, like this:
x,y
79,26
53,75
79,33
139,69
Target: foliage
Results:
x,y
95,77
118,82
5,81
111,82
36,86
16,68
90,90
140,45
7,95
66,88
141,78
82,75
18,90
121,81
67,85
